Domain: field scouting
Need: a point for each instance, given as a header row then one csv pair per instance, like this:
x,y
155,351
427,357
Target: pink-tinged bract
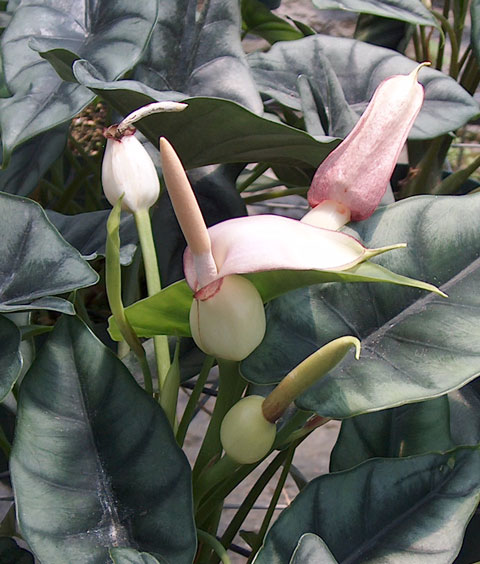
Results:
x,y
268,242
356,174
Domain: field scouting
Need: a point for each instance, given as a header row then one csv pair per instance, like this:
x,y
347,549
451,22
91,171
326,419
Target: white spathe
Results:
x,y
128,169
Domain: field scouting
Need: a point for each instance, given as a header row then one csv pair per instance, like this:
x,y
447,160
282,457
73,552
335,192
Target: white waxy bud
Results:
x,y
245,434
128,169
227,318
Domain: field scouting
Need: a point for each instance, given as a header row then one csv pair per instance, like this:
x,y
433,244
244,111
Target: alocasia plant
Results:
x,y
94,471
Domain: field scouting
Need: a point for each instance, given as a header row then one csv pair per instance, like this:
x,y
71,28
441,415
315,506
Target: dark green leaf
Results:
x,y
95,464
197,133
417,428
36,262
360,68
259,20
111,34
386,511
11,553
31,161
132,556
10,357
87,233
412,11
198,52
465,414
271,4
383,32
415,346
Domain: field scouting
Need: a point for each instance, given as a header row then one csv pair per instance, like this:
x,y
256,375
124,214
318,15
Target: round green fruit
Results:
x,y
245,433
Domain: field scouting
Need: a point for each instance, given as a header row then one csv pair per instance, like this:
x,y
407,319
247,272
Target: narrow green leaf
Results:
x,y
167,312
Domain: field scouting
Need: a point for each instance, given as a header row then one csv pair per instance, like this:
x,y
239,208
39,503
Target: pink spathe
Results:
x,y
356,174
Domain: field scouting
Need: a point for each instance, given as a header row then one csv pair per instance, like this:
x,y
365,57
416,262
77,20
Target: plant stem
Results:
x,y
273,502
212,476
251,498
441,46
230,389
416,45
5,445
217,546
113,283
258,170
228,485
193,400
452,183
274,195
160,342
453,71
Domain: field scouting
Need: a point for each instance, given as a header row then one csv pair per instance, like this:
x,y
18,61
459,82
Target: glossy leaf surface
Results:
x,y
360,68
36,263
385,509
95,463
196,50
111,34
312,550
132,556
195,133
417,428
31,160
87,232
414,345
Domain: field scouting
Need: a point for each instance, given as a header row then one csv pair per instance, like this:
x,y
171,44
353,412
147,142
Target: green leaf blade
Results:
x,y
388,511
414,346
36,262
95,464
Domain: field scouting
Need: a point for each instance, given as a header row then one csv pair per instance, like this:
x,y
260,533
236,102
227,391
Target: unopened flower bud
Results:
x,y
227,318
245,434
128,169
356,174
